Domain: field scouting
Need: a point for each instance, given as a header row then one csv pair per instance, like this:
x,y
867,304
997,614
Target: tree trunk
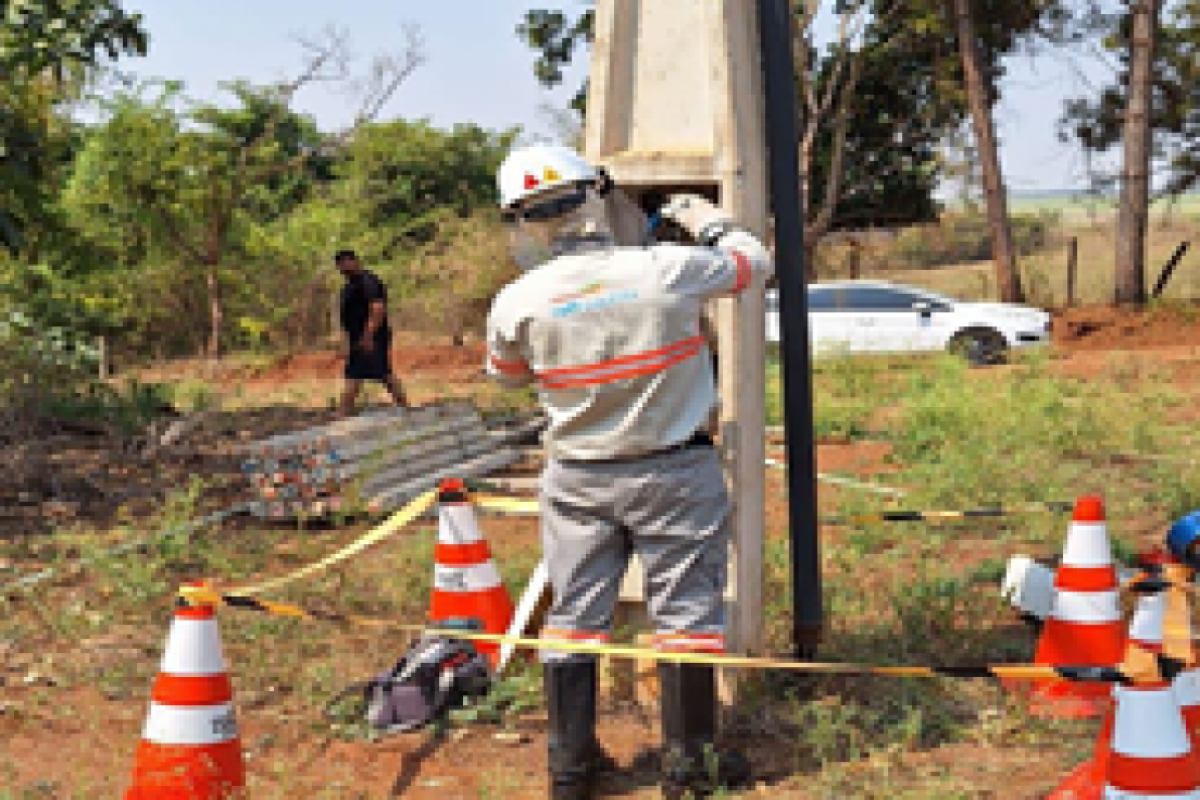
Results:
x,y
1003,254
1135,173
215,313
810,257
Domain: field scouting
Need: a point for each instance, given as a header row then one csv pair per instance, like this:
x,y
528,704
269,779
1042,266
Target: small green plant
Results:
x,y
510,697
195,394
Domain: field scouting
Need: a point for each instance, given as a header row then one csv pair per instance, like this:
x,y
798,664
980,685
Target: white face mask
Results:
x,y
533,241
528,249
532,255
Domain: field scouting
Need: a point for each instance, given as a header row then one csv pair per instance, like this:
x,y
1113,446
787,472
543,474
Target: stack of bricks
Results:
x,y
370,463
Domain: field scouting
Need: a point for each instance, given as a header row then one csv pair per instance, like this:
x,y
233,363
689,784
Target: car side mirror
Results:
x,y
923,308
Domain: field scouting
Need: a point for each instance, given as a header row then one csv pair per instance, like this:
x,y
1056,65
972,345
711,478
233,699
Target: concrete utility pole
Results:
x,y
675,103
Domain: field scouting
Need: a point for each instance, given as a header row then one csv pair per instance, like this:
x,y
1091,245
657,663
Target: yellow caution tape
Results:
x,y
205,595
392,526
507,505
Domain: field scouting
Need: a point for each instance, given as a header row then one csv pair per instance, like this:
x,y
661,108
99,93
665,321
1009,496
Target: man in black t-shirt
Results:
x,y
364,319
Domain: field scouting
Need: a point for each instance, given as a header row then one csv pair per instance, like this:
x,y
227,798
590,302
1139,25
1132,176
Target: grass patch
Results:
x,y
907,593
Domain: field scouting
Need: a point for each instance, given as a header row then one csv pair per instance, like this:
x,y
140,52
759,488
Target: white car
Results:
x,y
882,317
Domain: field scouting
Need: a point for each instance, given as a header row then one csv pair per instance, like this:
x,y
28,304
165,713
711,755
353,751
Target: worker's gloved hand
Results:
x,y
693,213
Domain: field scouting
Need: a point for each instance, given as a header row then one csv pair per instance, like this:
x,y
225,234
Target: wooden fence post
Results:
x,y
1072,263
102,353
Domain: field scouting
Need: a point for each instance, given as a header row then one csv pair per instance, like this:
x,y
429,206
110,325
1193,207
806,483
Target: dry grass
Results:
x,y
1045,271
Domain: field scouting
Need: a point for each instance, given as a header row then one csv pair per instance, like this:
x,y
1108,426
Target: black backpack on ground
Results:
x,y
436,675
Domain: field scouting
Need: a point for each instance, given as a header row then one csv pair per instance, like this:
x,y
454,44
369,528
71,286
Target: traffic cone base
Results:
x,y
185,772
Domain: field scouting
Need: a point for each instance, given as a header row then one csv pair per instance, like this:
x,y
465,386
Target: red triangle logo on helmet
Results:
x,y
530,182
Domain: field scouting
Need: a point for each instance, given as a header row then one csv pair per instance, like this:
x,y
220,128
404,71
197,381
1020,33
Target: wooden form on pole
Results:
x,y
675,103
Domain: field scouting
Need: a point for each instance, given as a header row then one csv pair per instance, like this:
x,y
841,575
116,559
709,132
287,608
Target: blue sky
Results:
x,y
477,70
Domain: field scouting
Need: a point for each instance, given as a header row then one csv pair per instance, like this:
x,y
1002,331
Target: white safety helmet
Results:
x,y
534,170
554,200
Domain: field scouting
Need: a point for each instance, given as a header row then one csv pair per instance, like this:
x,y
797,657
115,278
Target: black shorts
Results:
x,y
373,366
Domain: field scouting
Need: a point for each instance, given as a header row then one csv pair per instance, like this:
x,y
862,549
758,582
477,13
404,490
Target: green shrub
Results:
x,y
39,364
958,238
50,371
451,281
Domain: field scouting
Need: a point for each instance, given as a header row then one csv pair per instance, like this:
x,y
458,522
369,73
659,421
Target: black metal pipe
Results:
x,y
783,140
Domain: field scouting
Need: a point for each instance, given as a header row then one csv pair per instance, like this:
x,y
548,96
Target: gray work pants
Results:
x,y
672,509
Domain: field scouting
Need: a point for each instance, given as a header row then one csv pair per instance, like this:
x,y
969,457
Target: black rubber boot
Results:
x,y
576,758
691,764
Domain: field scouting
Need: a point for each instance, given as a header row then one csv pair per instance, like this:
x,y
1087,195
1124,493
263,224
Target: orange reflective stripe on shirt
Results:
x,y
615,369
744,271
564,635
510,367
690,642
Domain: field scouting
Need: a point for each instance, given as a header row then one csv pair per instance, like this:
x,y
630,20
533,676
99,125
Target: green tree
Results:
x,y
200,180
554,36
1152,110
402,177
400,187
966,42
57,35
45,46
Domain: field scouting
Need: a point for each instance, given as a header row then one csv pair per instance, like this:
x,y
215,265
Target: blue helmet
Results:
x,y
1183,535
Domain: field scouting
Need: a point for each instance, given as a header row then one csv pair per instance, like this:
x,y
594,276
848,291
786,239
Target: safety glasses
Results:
x,y
552,207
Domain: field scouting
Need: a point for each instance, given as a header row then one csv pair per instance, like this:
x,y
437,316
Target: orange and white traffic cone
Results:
x,y
1151,753
1084,627
465,580
190,746
1146,631
1087,781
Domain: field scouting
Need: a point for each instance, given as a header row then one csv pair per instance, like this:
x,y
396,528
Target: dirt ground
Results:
x,y
1108,328
98,481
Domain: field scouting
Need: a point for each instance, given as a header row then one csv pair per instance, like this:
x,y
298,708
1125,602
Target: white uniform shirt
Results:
x,y
612,337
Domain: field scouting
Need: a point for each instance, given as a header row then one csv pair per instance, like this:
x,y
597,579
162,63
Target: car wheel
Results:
x,y
980,346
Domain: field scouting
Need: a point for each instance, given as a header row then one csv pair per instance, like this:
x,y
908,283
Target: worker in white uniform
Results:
x,y
611,335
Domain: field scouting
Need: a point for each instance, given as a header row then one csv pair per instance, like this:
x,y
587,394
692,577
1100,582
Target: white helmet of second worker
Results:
x,y
553,200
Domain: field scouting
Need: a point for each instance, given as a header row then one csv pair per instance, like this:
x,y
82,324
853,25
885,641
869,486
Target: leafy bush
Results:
x,y
452,280
50,372
39,364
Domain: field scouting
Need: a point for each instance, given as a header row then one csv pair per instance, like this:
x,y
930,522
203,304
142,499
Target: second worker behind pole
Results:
x,y
612,337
